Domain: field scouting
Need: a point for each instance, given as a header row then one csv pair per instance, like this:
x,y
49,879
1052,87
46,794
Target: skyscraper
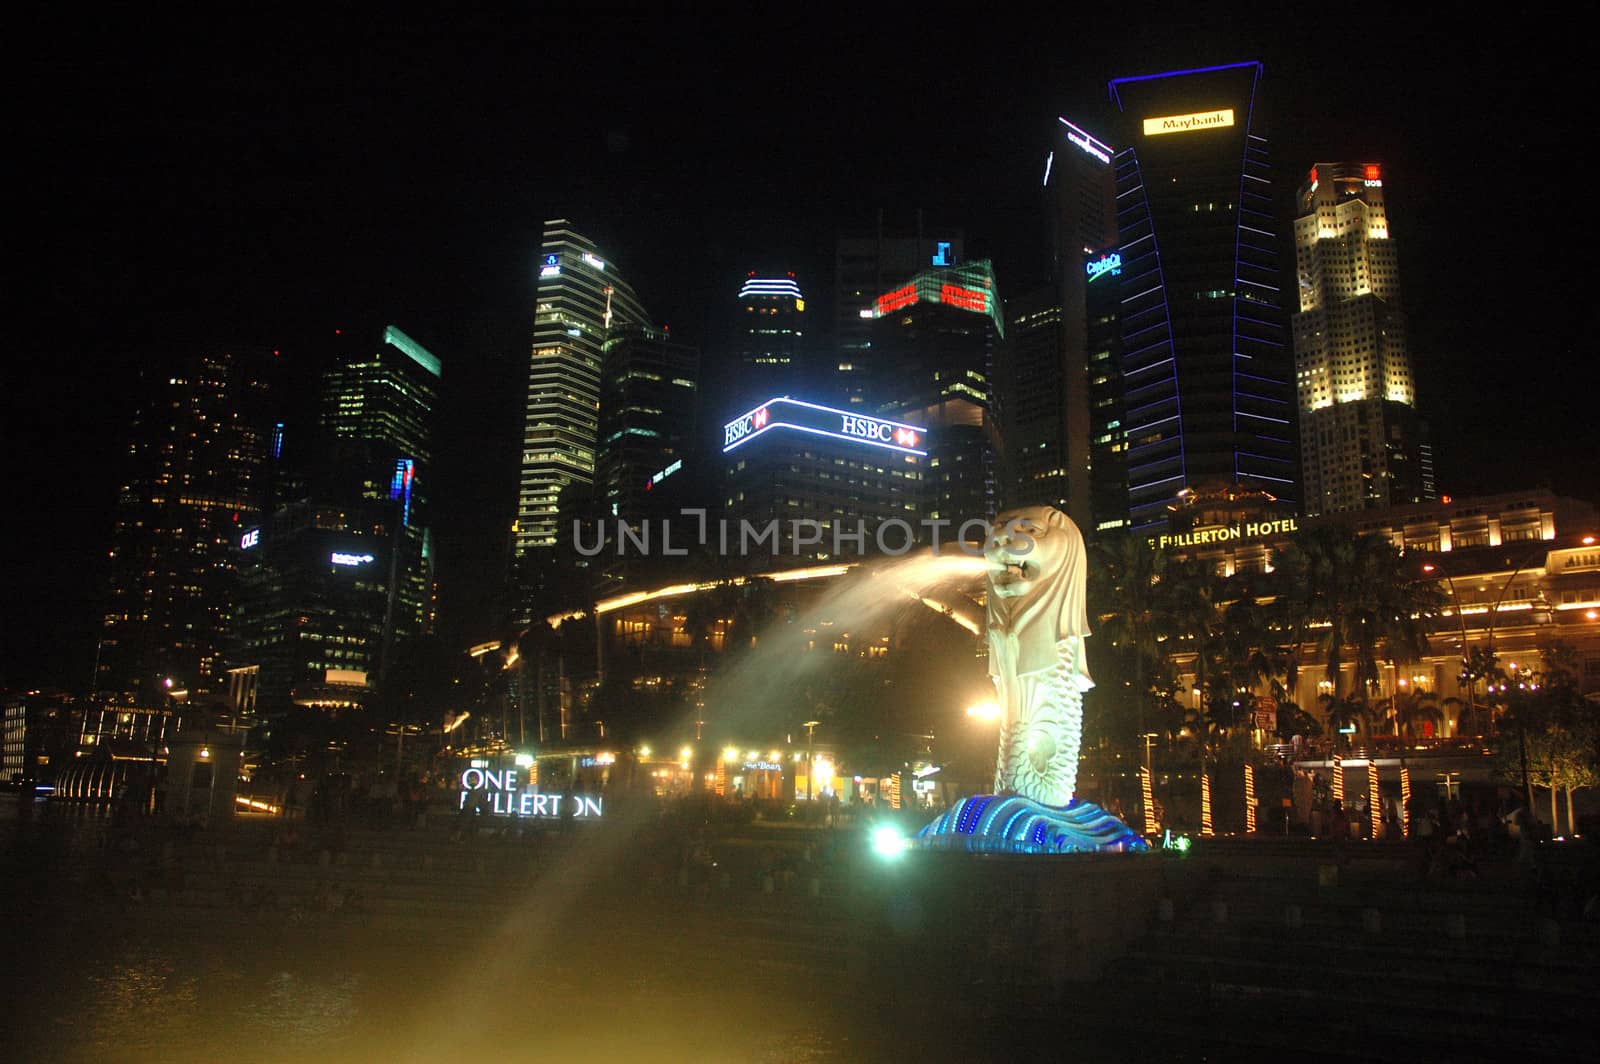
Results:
x,y
647,418
378,412
1362,444
193,482
580,297
936,339
338,579
1205,363
865,266
1050,418
769,333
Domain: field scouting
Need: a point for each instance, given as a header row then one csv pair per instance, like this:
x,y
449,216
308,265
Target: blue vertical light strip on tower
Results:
x,y
1133,270
277,440
400,488
1238,221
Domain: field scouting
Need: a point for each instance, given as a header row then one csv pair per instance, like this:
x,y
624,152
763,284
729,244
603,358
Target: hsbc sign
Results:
x,y
734,431
793,414
866,428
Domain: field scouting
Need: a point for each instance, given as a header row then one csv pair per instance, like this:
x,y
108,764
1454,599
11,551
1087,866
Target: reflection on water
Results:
x,y
150,1003
297,998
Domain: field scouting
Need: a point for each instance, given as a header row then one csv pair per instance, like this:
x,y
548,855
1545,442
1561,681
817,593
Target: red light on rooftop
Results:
x,y
1313,175
1373,173
338,332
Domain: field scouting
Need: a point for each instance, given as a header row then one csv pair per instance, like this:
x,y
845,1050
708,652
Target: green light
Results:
x,y
888,843
419,354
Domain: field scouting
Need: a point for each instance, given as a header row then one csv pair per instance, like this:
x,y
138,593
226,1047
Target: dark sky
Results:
x,y
186,183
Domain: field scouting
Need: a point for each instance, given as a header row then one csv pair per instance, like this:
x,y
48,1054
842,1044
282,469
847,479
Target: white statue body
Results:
x,y
1036,621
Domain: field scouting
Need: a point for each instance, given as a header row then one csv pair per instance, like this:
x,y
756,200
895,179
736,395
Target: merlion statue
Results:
x,y
1036,620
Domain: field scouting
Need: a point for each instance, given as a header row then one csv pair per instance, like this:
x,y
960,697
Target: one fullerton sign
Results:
x,y
1188,123
498,793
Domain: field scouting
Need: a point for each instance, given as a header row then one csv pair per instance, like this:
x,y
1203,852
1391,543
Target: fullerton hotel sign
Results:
x,y
1205,537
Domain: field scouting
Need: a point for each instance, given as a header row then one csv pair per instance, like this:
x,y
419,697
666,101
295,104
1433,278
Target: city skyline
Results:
x,y
135,298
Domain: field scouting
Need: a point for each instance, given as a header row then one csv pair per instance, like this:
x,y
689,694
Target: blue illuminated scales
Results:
x,y
1035,621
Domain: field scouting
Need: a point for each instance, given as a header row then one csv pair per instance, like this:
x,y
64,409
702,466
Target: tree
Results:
x,y
1134,612
1360,597
1558,730
1408,710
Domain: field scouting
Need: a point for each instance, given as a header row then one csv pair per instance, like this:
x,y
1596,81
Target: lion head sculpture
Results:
x,y
1036,589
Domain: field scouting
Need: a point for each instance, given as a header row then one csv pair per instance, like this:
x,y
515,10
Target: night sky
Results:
x,y
262,183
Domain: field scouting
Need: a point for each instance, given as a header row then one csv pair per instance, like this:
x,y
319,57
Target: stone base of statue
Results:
x,y
1010,823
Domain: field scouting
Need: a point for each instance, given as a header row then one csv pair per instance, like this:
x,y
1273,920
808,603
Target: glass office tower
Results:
x,y
581,297
1205,360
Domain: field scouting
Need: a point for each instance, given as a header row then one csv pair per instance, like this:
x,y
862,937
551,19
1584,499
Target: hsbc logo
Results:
x,y
864,428
735,431
867,429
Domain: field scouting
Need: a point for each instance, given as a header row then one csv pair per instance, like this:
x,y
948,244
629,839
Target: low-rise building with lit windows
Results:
x,y
1517,571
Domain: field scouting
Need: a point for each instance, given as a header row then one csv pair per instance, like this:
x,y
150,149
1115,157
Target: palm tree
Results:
x,y
1344,713
1133,608
1364,598
1408,710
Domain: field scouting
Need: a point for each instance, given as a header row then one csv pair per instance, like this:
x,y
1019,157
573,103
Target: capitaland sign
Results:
x,y
499,793
817,420
1109,263
1154,127
1205,537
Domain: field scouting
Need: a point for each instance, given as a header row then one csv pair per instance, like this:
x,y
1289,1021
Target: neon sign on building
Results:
x,y
969,286
851,426
341,558
1189,123
890,302
1109,263
1087,143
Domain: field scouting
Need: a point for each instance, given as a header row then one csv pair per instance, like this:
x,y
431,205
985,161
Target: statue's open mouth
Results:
x,y
1013,571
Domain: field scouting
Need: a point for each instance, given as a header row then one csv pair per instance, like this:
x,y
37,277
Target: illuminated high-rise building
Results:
x,y
193,481
807,483
378,411
338,580
768,335
1362,443
865,266
1205,361
937,339
1051,421
580,297
647,420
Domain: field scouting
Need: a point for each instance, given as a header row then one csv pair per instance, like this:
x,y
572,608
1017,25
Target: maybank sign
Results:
x,y
1202,537
1188,123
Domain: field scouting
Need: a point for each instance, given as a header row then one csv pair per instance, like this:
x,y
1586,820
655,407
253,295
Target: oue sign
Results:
x,y
504,798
